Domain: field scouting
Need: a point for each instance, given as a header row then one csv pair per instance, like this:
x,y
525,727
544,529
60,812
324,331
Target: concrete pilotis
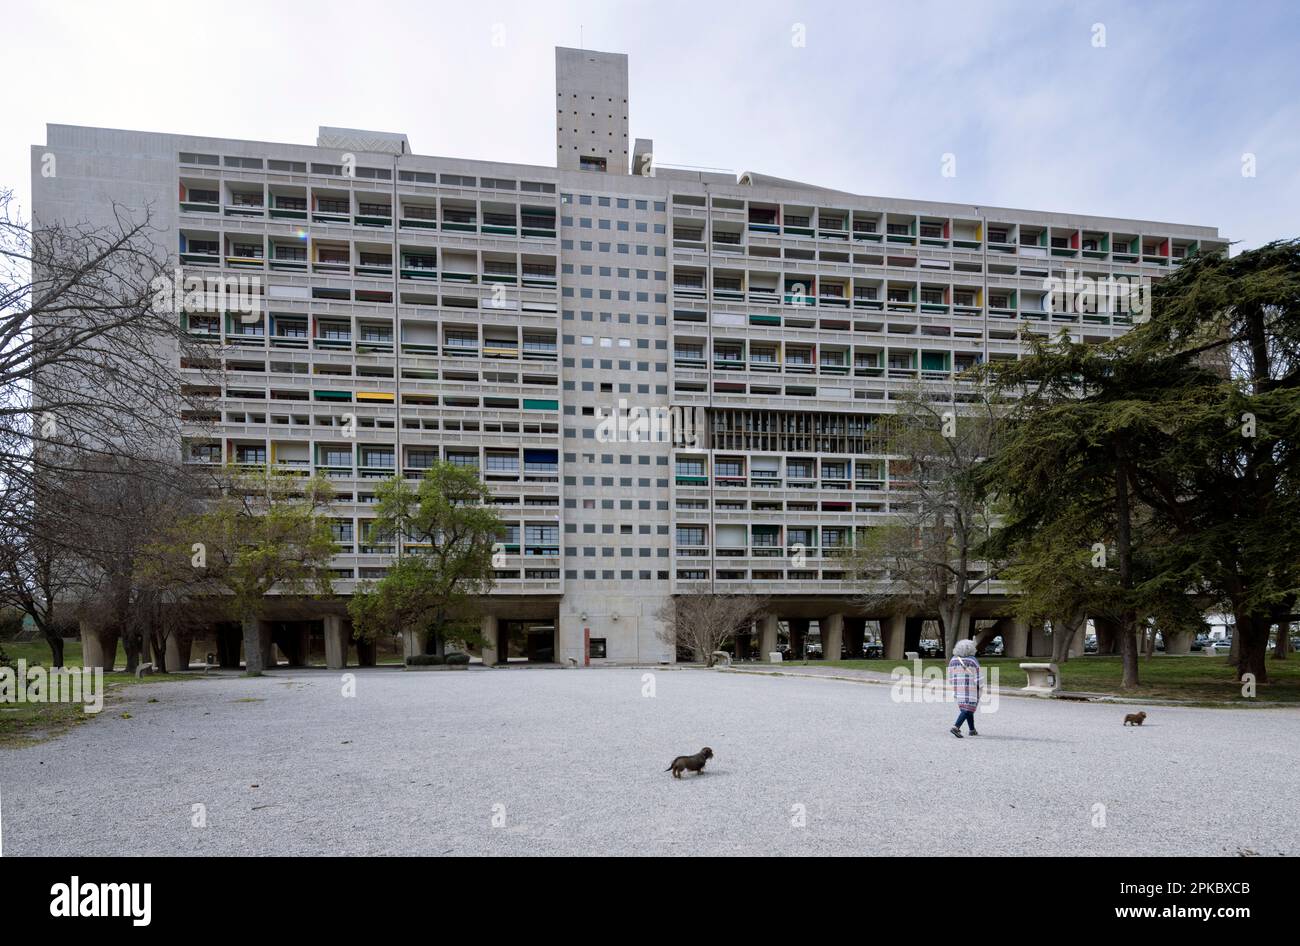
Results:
x,y
490,629
337,631
1040,644
257,645
98,647
894,630
177,653
1076,642
767,635
414,643
832,636
1015,638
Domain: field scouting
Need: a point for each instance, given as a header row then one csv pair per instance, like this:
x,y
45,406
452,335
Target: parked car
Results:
x,y
873,650
1090,645
993,648
1201,642
930,648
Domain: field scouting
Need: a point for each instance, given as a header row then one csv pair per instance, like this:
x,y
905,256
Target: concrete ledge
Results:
x,y
435,667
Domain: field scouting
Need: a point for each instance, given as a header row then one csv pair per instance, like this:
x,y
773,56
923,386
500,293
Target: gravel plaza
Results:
x,y
570,762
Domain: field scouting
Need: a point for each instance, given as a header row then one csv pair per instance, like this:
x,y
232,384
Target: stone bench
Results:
x,y
1043,679
774,657
721,657
911,655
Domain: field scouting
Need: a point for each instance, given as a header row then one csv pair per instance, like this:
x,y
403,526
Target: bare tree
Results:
x,y
702,620
90,344
925,559
125,508
36,566
91,389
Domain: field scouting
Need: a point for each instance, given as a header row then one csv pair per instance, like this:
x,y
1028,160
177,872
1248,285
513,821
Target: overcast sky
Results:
x,y
1135,110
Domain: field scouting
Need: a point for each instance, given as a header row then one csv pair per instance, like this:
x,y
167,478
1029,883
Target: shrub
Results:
x,y
423,660
458,659
11,624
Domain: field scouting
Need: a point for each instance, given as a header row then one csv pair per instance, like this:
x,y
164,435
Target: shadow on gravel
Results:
x,y
983,737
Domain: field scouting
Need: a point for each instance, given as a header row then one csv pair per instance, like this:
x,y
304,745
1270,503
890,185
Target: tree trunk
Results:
x,y
1123,516
1282,618
55,640
1063,635
252,648
1106,643
952,620
1250,637
132,644
1283,643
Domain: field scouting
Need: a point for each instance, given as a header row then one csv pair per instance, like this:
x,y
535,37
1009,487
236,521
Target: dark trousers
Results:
x,y
967,717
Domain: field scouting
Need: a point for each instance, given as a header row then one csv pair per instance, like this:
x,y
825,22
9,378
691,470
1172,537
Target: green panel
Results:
x,y
536,405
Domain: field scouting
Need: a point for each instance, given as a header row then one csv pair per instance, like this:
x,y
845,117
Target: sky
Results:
x,y
1152,110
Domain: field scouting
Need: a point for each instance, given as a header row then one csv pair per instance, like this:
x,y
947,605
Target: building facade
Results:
x,y
525,321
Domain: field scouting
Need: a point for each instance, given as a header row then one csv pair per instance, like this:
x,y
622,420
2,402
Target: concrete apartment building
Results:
x,y
417,308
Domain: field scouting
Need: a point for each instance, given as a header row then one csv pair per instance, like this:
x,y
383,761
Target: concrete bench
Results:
x,y
1043,679
774,657
142,669
721,657
912,655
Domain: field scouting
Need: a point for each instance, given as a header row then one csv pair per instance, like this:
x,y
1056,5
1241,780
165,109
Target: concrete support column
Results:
x,y
1040,645
767,635
1076,642
414,643
1015,638
832,636
894,630
93,648
177,653
336,642
257,645
490,628
1177,643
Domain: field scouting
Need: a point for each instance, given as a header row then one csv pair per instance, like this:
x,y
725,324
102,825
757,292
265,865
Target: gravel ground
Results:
x,y
418,763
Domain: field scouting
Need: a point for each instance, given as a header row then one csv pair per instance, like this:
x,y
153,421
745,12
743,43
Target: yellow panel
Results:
x,y
373,396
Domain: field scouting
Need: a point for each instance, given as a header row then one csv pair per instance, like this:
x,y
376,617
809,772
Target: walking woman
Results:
x,y
964,678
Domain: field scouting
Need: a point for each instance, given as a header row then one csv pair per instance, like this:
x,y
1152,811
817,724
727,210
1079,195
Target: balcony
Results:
x,y
499,224
459,222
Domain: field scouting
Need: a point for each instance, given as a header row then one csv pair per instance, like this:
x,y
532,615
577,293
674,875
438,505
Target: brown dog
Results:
x,y
1135,719
690,763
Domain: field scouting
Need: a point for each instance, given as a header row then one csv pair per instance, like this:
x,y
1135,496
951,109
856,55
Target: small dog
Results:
x,y
1135,719
690,763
